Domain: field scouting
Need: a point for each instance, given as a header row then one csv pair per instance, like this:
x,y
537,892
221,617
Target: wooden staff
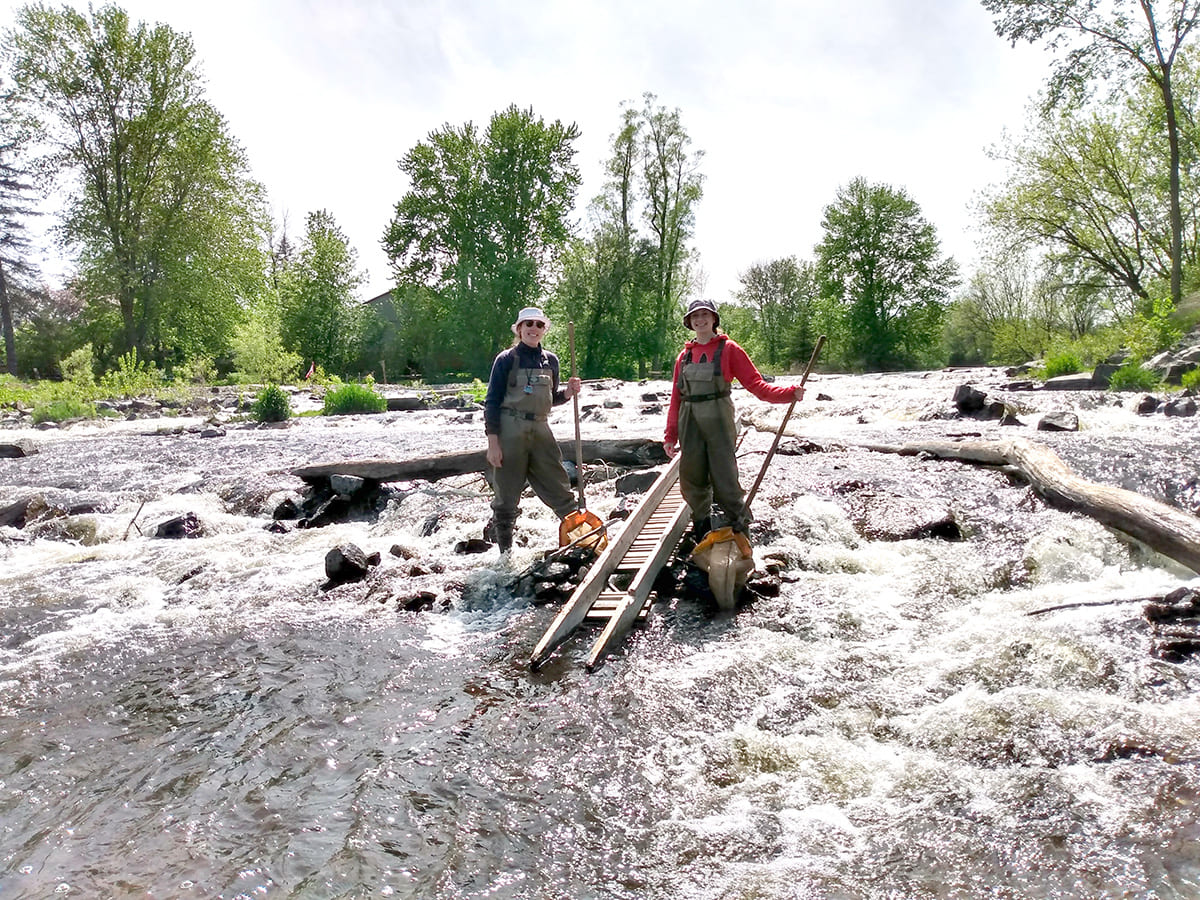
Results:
x,y
783,424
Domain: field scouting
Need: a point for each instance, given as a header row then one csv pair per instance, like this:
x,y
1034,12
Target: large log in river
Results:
x,y
1165,529
638,453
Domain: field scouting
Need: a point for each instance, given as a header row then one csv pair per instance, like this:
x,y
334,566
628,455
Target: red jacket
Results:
x,y
735,363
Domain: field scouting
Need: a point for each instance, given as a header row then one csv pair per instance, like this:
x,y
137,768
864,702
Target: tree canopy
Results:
x,y
483,222
626,282
320,315
783,295
879,261
164,219
1102,42
17,205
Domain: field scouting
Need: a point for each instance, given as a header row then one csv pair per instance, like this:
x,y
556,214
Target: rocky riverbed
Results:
x,y
957,689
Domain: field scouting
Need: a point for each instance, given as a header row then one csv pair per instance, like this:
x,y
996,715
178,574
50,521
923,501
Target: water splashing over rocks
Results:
x,y
955,690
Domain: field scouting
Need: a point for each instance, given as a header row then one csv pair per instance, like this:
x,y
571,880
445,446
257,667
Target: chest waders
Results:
x,y
708,469
531,453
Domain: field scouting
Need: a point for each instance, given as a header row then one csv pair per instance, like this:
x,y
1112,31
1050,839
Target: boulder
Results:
x,y
1184,407
17,449
1059,420
636,482
347,562
1081,381
346,485
185,526
1146,405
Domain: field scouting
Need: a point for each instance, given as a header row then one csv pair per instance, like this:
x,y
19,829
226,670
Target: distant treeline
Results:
x,y
1090,242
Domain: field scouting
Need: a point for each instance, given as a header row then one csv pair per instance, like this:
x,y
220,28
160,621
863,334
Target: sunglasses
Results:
x,y
533,324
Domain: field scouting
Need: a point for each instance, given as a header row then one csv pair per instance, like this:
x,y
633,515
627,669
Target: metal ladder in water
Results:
x,y
643,547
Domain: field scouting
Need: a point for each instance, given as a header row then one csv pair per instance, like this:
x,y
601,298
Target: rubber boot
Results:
x,y
504,537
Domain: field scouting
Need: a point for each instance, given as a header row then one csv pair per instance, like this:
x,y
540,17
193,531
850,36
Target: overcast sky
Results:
x,y
788,100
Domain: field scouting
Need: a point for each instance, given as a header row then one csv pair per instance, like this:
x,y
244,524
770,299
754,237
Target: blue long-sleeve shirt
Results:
x,y
526,357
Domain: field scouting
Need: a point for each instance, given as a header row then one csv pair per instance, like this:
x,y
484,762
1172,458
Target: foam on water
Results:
x,y
907,719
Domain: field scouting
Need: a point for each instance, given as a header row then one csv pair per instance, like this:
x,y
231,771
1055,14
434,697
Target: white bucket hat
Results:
x,y
530,313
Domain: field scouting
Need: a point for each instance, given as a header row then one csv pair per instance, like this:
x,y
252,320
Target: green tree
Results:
x,y
1096,42
257,346
606,279
635,267
320,314
17,205
1089,186
879,261
162,214
482,226
673,186
783,295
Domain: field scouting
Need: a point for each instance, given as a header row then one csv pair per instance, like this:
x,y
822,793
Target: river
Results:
x,y
201,718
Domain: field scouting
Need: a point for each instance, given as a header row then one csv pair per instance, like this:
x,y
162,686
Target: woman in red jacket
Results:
x,y
700,423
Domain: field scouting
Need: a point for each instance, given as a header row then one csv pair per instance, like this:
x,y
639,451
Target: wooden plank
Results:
x,y
622,452
634,605
575,610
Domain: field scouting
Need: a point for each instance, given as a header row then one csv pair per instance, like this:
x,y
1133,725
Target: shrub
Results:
x,y
272,405
132,377
353,398
1191,380
1065,363
1132,377
258,353
61,410
77,367
476,391
1151,330
197,370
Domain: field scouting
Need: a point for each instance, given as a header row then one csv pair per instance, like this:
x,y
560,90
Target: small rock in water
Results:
x,y
185,526
17,449
1059,421
346,485
422,601
473,545
347,562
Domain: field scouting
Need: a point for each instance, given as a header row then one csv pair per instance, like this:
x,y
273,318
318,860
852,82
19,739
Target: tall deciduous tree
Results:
x,y
1091,186
674,186
17,204
481,226
317,294
626,282
605,278
1098,40
783,295
879,260
163,215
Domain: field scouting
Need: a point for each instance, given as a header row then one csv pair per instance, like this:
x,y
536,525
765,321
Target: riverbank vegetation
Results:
x,y
1090,242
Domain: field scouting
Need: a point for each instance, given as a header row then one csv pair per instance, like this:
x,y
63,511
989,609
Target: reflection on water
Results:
x,y
198,718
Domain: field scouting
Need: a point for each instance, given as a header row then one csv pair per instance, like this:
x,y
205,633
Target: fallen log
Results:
x,y
1164,529
641,453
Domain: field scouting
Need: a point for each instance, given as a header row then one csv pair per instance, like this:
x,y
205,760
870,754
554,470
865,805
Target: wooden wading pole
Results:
x,y
578,439
783,424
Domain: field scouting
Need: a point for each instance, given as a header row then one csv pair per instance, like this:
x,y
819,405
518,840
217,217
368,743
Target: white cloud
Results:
x,y
788,100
